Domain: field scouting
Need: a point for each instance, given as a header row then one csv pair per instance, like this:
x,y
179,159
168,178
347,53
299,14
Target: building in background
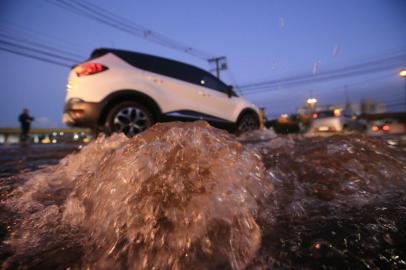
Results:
x,y
370,106
365,106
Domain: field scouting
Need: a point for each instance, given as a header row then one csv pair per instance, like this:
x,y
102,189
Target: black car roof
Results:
x,y
167,67
123,53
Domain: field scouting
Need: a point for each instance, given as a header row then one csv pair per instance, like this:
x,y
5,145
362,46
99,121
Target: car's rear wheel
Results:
x,y
128,117
247,122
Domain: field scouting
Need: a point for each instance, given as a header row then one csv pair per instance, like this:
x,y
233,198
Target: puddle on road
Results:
x,y
188,196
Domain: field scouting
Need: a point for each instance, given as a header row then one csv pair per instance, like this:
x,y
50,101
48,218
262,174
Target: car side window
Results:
x,y
175,70
209,81
137,60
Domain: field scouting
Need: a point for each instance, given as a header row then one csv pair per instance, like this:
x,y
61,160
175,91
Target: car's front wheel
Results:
x,y
128,117
247,122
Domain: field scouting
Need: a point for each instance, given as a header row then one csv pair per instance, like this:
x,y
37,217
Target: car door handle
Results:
x,y
204,94
155,79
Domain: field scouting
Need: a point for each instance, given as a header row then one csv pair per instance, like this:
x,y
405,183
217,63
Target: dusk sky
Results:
x,y
262,40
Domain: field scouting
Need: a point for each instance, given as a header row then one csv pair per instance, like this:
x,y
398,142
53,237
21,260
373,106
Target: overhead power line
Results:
x,y
39,51
16,42
88,10
336,74
41,45
399,57
20,31
33,56
275,87
354,70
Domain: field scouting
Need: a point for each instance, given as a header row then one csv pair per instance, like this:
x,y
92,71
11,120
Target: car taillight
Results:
x,y
375,128
89,69
385,128
314,115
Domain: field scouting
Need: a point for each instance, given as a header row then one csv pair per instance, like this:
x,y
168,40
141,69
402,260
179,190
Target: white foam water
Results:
x,y
178,196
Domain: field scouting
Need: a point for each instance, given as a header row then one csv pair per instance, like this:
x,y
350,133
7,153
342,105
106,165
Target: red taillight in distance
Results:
x,y
385,128
375,128
89,69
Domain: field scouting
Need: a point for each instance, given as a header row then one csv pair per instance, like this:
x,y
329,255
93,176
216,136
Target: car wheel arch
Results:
x,y
128,95
247,111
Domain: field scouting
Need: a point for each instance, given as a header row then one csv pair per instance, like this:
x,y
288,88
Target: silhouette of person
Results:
x,y
25,121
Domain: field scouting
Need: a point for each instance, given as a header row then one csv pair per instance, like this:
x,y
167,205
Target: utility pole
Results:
x,y
347,106
220,63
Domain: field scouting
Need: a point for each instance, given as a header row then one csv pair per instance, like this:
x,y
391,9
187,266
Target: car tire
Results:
x,y
128,117
247,122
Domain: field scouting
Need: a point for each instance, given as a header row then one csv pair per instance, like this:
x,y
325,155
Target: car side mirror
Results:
x,y
230,91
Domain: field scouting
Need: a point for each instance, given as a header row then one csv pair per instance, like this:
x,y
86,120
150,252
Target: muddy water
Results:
x,y
188,196
338,203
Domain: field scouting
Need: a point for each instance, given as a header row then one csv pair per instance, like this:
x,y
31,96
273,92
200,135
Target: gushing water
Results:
x,y
178,196
188,196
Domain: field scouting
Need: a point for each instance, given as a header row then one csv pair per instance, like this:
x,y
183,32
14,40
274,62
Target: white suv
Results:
x,y
123,91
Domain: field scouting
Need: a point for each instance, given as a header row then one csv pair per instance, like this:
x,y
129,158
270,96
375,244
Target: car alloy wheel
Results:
x,y
247,123
129,118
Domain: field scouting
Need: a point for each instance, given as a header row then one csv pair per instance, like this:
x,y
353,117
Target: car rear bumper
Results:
x,y
79,113
327,129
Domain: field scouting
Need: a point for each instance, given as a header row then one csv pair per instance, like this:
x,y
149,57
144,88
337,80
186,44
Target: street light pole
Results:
x,y
402,74
311,102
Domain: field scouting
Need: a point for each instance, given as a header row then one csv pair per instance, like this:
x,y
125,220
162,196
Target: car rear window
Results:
x,y
325,114
98,53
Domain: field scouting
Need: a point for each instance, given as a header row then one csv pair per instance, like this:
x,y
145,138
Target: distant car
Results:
x,y
123,91
330,121
286,124
386,126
